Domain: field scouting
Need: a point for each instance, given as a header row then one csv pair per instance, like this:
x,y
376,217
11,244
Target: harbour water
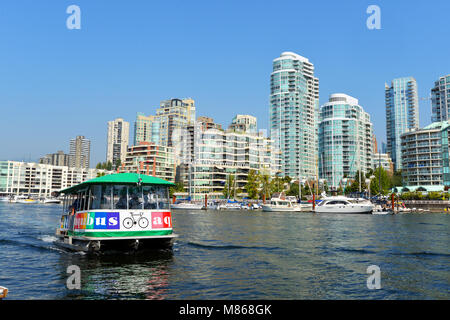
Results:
x,y
237,255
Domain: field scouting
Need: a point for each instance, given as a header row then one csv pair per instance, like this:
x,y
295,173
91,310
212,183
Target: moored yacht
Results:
x,y
187,206
287,204
342,204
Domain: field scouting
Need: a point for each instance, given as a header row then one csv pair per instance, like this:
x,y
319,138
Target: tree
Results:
x,y
276,185
397,180
264,181
386,184
228,190
354,186
293,190
118,164
252,184
178,187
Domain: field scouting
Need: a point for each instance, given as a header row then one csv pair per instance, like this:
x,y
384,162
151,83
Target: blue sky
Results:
x,y
57,83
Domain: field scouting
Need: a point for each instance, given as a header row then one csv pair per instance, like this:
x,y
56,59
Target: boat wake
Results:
x,y
228,247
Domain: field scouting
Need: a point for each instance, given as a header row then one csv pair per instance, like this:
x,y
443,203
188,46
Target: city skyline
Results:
x,y
74,89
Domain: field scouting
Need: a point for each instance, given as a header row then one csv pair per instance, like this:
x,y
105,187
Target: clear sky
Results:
x,y
57,83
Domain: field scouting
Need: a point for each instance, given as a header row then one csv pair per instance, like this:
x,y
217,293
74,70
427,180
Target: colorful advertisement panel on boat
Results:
x,y
122,221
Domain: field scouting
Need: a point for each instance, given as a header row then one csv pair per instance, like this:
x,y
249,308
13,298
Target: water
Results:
x,y
237,255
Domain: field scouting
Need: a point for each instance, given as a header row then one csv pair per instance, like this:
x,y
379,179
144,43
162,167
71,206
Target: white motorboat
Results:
x,y
282,205
378,209
23,199
187,206
229,206
5,199
341,204
51,200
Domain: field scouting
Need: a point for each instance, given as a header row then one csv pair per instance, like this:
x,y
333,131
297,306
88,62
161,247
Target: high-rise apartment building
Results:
x,y
146,129
345,139
118,140
80,152
294,103
440,99
402,114
174,114
57,159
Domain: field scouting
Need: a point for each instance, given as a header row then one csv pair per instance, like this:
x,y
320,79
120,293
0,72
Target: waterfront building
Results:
x,y
345,139
41,180
294,103
440,99
80,152
118,140
150,159
402,114
174,114
425,157
146,129
57,159
220,156
383,160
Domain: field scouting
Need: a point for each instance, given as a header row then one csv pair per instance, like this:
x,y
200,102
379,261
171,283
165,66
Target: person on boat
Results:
x,y
122,203
135,203
74,206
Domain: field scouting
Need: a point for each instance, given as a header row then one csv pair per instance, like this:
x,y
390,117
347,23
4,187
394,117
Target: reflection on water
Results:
x,y
236,255
117,275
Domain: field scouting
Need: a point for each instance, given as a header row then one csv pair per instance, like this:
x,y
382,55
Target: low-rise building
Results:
x,y
41,180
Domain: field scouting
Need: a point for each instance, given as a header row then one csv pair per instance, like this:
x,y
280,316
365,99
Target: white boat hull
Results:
x,y
185,206
345,209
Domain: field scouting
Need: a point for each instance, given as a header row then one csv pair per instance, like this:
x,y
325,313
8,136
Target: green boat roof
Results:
x,y
120,179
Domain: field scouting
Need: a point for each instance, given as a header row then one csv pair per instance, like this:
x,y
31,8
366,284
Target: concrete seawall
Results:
x,y
432,205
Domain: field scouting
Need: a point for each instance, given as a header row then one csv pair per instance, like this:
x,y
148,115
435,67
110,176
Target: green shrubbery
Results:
x,y
417,195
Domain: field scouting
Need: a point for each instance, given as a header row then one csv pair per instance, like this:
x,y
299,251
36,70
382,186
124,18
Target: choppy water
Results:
x,y
237,255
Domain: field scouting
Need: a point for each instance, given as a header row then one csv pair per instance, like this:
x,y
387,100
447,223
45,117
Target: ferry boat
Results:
x,y
342,204
117,211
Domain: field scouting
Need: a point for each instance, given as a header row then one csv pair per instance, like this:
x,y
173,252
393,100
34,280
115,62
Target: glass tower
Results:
x,y
294,103
402,114
345,139
440,100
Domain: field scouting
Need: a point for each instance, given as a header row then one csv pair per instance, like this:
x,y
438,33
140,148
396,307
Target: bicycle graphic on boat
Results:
x,y
129,222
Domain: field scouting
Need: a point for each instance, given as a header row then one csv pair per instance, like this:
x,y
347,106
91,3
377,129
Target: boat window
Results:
x,y
162,196
135,198
149,197
120,197
96,193
105,202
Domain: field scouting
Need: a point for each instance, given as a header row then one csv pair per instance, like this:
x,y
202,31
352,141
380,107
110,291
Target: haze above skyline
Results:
x,y
58,83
